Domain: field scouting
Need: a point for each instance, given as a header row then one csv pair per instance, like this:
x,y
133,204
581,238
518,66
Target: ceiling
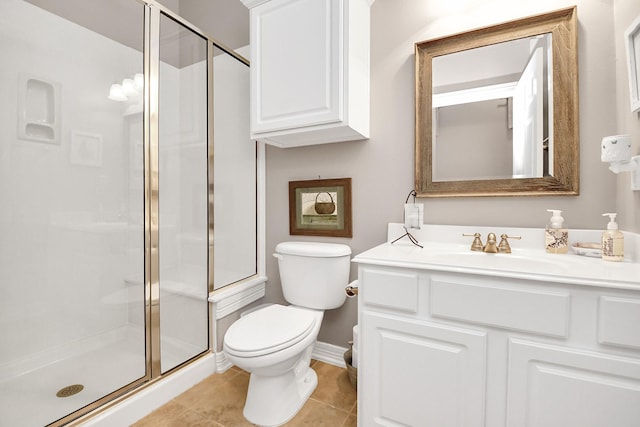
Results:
x,y
225,21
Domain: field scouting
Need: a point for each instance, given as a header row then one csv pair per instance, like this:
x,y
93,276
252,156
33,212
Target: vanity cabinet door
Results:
x,y
417,373
553,386
309,71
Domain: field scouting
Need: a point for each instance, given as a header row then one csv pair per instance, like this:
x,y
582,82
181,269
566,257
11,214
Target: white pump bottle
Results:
x,y
556,237
612,240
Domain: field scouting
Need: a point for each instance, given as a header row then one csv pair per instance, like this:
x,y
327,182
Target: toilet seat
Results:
x,y
268,330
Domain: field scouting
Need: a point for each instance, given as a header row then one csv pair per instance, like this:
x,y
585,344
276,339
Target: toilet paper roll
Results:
x,y
354,358
355,336
616,148
354,353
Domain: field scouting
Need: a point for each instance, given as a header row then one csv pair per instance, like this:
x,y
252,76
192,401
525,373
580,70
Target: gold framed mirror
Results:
x,y
497,110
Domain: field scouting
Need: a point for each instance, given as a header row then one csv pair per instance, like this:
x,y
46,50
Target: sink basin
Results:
x,y
511,262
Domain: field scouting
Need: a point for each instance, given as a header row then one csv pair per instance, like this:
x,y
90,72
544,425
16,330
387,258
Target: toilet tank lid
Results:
x,y
313,249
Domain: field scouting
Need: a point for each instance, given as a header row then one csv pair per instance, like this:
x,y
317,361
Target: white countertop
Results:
x,y
446,250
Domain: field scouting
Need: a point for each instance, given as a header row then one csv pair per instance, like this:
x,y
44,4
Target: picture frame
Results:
x,y
632,43
320,207
85,149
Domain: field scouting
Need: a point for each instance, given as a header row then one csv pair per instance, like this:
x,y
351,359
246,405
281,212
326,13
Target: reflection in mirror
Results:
x,y
497,108
507,95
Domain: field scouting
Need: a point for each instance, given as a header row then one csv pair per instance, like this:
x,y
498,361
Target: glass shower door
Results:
x,y
106,207
234,171
71,213
182,175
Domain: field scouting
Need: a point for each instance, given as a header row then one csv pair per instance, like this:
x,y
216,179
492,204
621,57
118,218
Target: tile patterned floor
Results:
x,y
218,400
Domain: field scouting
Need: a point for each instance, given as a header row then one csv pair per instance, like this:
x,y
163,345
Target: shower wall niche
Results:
x,y
38,109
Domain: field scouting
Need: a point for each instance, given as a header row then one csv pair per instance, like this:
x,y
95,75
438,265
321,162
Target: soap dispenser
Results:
x,y
612,240
556,238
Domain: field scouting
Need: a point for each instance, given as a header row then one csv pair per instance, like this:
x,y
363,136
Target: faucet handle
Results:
x,y
504,247
477,242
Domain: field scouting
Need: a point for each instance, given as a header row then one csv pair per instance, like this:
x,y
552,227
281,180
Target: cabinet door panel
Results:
x,y
305,91
507,306
551,386
421,374
405,289
614,317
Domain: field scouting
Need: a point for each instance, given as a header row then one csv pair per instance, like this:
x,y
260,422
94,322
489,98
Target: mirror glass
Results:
x,y
497,110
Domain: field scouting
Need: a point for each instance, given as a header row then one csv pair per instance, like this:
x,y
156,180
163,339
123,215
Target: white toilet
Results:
x,y
274,343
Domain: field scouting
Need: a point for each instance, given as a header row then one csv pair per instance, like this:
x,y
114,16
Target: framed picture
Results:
x,y
632,42
320,207
86,149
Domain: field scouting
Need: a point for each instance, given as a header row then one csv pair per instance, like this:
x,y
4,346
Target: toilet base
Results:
x,y
274,400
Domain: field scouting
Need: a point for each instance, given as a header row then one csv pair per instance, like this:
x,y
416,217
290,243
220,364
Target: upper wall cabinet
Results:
x,y
309,71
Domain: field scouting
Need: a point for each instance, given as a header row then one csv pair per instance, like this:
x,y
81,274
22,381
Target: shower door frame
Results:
x,y
151,67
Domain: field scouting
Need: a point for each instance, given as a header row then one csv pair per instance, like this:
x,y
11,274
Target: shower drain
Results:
x,y
70,390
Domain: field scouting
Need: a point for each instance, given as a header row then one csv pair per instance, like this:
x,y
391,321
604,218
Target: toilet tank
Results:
x,y
313,274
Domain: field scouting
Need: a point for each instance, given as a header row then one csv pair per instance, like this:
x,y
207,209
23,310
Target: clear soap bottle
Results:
x,y
612,240
556,238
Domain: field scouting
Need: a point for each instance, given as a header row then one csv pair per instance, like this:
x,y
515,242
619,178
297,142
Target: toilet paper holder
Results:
x,y
352,289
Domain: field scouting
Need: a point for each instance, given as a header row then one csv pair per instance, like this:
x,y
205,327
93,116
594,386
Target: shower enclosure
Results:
x,y
127,193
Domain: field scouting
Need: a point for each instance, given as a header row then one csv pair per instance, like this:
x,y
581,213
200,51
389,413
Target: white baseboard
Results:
x,y
329,353
222,362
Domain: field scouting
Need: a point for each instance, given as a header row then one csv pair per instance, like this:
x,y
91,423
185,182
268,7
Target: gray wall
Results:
x,y
628,202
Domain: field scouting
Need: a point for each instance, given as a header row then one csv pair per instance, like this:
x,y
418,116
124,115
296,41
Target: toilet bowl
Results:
x,y
274,343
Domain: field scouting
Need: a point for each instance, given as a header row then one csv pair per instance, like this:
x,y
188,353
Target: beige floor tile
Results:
x,y
334,387
351,421
223,402
206,386
318,414
162,416
190,418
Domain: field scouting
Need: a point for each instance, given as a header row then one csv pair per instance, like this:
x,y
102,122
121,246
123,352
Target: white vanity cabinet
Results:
x,y
309,71
447,347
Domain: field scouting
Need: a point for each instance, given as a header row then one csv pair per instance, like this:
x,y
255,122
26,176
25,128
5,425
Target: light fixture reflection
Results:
x,y
128,87
116,93
138,79
129,90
